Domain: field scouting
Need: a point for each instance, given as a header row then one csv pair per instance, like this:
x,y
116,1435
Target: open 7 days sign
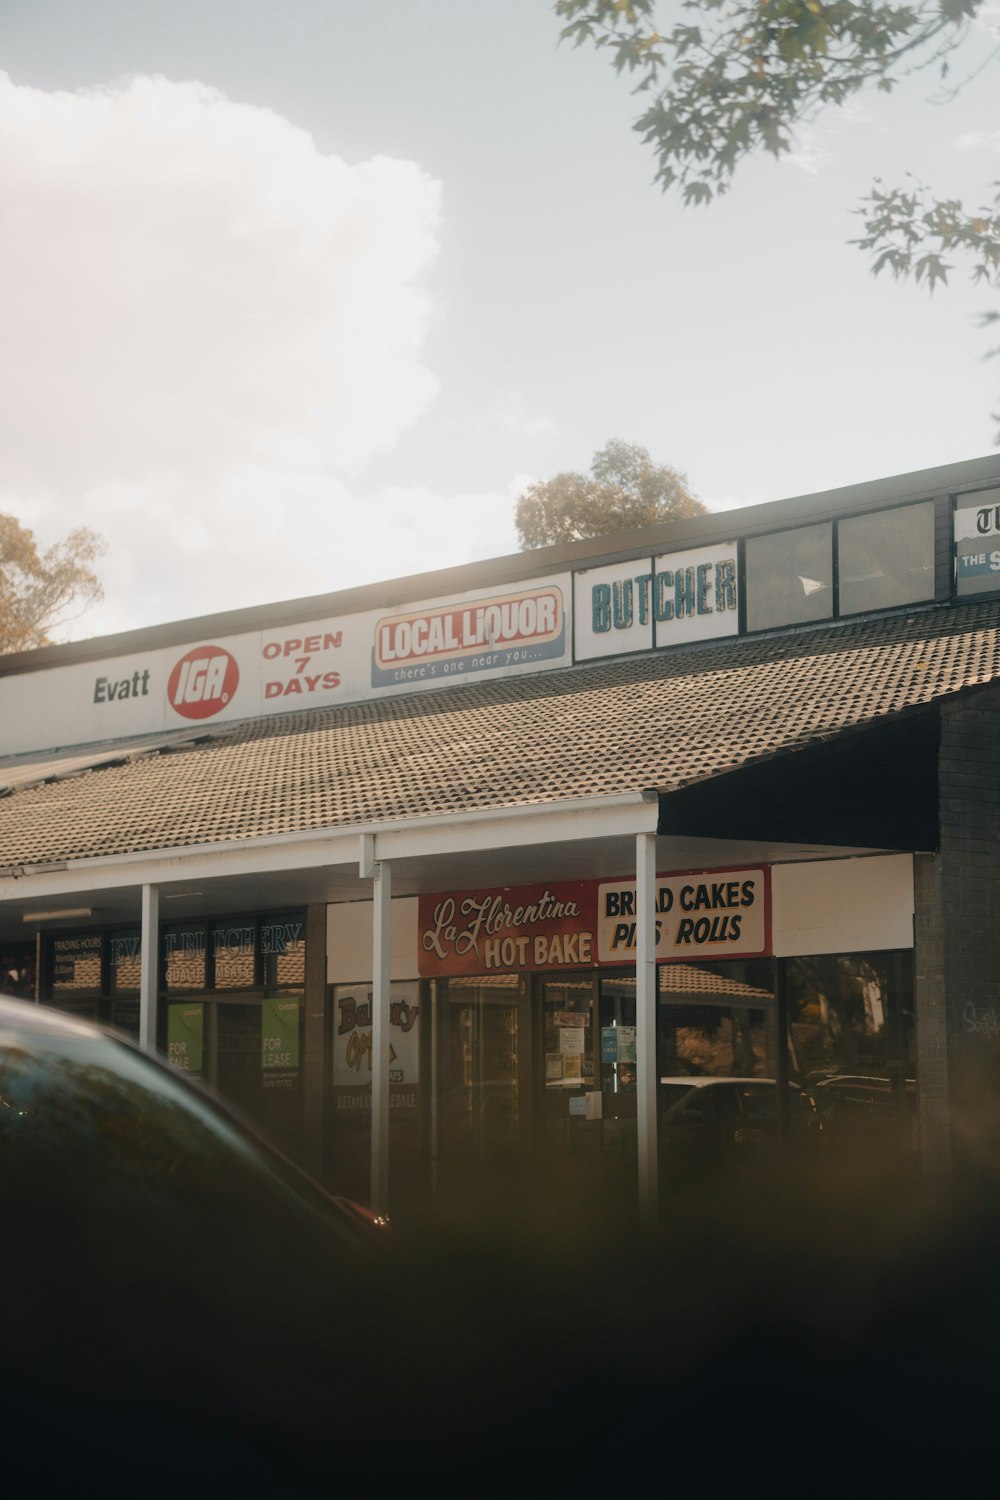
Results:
x,y
701,914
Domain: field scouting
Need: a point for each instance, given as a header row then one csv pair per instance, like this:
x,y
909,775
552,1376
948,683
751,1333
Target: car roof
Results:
x,y
702,1083
44,1018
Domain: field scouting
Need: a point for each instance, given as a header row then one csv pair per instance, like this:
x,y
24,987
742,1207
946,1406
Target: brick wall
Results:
x,y
957,958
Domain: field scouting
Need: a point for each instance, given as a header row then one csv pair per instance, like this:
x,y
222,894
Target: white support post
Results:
x,y
381,974
149,969
645,1023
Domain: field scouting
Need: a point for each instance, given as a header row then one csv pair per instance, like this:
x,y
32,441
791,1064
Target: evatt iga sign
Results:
x,y
480,634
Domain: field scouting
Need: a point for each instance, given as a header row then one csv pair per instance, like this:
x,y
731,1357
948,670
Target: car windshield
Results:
x,y
673,1093
96,1136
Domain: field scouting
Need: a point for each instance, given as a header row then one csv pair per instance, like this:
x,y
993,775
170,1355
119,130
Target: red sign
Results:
x,y
203,682
509,930
708,914
519,927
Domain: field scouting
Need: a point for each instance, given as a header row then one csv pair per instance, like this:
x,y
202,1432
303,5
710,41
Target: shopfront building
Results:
x,y
601,852
514,1038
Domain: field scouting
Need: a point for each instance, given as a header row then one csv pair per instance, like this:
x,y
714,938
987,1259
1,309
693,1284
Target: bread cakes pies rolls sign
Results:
x,y
703,914
662,601
476,634
977,542
520,929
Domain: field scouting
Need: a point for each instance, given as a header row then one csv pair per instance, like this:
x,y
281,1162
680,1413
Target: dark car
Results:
x,y
171,1283
719,1109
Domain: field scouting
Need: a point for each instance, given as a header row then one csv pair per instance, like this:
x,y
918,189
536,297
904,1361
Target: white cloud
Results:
x,y
210,328
808,154
323,534
972,140
508,415
987,20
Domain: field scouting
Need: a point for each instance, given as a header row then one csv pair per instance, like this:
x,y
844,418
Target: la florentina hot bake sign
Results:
x,y
517,929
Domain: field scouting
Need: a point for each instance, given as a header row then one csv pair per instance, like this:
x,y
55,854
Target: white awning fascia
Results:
x,y
508,827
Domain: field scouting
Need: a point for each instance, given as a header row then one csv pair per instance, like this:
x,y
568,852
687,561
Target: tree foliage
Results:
x,y
39,591
737,76
624,489
910,232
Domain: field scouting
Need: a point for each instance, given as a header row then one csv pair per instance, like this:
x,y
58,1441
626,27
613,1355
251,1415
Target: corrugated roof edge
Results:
x,y
717,526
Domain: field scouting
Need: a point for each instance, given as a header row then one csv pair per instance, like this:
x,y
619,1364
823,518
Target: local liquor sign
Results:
x,y
479,635
519,929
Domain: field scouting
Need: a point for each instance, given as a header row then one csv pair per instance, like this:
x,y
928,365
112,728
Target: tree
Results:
x,y
40,591
624,489
739,75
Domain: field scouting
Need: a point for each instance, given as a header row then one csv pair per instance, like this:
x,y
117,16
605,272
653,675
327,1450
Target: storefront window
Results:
x,y
348,1136
839,1014
186,1037
718,1069
17,970
185,951
483,1046
247,1045
886,558
234,956
618,1054
851,1046
284,951
569,1044
125,949
74,965
789,577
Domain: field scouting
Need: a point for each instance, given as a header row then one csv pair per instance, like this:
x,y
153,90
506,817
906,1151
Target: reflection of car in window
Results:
x,y
720,1111
846,1104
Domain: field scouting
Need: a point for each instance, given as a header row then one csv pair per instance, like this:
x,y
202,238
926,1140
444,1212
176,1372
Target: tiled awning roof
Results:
x,y
663,721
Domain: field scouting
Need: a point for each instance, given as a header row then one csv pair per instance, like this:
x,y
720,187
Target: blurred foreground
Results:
x,y
803,1329
185,1311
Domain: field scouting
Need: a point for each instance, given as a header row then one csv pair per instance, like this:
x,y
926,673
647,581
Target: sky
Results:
x,y
301,294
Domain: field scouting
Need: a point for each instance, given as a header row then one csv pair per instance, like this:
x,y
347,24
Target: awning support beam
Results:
x,y
645,1022
149,967
381,977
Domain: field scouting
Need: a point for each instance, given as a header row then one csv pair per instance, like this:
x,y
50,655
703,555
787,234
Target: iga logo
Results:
x,y
203,682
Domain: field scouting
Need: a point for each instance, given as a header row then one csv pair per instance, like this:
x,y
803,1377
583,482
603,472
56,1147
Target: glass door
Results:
x,y
568,1003
484,1099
